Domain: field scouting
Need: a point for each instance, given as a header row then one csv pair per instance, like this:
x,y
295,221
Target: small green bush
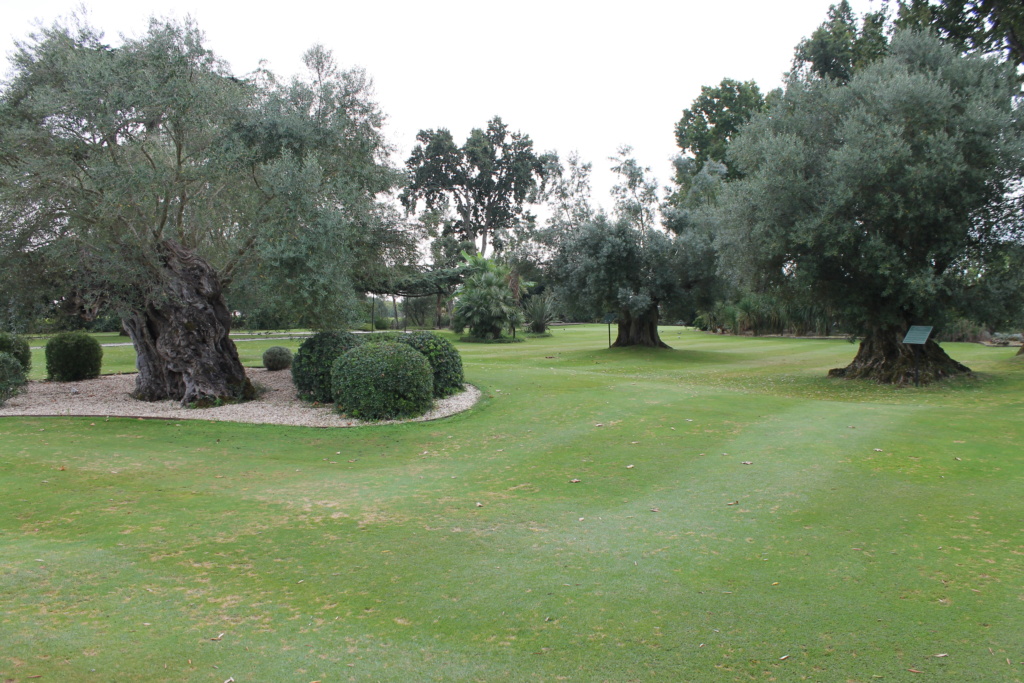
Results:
x,y
539,311
444,359
378,337
382,382
382,323
277,358
17,347
73,356
12,376
311,366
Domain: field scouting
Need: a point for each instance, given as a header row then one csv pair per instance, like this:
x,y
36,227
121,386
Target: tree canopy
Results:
x,y
839,46
147,176
882,195
486,182
984,26
713,120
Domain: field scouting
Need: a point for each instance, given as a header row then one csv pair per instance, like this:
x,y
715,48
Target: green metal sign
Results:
x,y
917,334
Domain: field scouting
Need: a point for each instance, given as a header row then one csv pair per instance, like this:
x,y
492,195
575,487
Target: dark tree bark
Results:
x,y
181,337
641,330
883,357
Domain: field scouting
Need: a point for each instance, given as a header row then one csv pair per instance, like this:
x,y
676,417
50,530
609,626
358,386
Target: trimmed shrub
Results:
x,y
73,356
311,365
444,359
277,358
378,337
12,376
17,347
382,382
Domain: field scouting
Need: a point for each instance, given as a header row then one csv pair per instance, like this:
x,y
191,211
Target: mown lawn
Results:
x,y
737,516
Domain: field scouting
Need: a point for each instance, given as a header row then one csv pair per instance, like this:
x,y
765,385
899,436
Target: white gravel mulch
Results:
x,y
109,396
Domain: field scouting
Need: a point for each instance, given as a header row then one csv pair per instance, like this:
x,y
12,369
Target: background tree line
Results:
x,y
876,189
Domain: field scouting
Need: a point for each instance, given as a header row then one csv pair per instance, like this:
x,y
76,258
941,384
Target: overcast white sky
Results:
x,y
574,75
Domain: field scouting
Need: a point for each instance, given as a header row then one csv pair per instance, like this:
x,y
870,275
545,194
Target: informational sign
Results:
x,y
918,334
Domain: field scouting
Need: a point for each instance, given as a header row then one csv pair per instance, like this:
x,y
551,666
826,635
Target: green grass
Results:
x,y
875,529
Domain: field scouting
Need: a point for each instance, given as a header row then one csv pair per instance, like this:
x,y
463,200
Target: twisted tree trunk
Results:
x,y
641,330
181,337
883,357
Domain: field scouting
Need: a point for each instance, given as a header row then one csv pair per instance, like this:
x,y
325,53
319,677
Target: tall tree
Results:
x,y
717,114
627,265
985,26
486,182
635,193
839,46
569,199
608,265
146,175
878,194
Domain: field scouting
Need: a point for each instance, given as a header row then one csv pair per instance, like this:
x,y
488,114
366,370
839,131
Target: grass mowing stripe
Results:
x,y
850,562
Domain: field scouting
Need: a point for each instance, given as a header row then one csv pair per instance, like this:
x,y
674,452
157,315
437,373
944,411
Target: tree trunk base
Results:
x,y
639,330
882,357
181,341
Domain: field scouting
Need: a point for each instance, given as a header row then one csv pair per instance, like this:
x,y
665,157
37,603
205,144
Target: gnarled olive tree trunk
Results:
x,y
883,357
639,330
181,337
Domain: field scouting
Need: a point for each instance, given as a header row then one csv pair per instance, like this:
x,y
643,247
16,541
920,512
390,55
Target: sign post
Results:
x,y
610,318
917,336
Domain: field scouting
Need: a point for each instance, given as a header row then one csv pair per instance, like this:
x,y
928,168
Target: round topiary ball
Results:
x,y
277,358
382,382
311,366
17,347
444,360
73,356
12,376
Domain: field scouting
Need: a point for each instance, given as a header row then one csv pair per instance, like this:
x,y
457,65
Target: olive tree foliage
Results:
x,y
608,266
321,166
485,184
879,196
627,265
568,201
147,176
636,193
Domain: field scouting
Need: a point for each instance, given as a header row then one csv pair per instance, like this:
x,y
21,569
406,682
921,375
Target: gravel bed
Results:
x,y
110,396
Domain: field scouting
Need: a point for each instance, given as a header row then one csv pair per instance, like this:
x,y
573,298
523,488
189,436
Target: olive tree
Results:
x,y
148,177
881,196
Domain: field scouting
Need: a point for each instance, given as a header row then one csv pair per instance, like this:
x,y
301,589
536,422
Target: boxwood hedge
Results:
x,y
73,356
311,365
383,381
17,347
